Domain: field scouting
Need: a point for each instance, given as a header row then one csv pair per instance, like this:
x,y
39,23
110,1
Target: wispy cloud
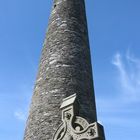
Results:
x,y
128,67
20,115
122,110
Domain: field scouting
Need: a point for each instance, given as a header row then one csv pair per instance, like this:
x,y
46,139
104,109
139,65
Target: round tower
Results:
x,y
64,69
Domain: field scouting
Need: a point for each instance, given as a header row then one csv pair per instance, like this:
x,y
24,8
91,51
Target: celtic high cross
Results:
x,y
75,127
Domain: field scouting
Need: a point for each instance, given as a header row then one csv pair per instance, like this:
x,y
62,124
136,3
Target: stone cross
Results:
x,y
75,127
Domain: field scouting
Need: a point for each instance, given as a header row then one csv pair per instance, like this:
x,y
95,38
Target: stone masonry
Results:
x,y
65,69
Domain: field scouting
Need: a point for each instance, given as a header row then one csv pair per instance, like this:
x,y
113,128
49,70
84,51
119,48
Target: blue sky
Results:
x,y
114,33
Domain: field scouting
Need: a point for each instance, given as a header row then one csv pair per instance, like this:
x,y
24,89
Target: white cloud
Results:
x,y
122,110
128,67
20,115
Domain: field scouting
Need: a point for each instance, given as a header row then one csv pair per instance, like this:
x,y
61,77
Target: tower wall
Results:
x,y
65,69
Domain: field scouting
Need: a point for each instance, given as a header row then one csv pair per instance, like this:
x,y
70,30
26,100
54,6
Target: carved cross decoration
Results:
x,y
75,127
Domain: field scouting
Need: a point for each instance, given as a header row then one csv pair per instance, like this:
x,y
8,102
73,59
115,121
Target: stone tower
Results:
x,y
64,73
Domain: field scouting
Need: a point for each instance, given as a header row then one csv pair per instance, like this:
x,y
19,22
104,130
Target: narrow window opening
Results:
x,y
54,5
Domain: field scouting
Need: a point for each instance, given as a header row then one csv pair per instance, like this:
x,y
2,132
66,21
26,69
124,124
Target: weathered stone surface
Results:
x,y
65,69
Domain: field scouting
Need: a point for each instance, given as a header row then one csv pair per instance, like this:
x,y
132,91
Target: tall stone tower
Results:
x,y
64,79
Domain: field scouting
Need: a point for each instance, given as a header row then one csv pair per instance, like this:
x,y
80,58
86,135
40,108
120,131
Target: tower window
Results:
x,y
54,5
